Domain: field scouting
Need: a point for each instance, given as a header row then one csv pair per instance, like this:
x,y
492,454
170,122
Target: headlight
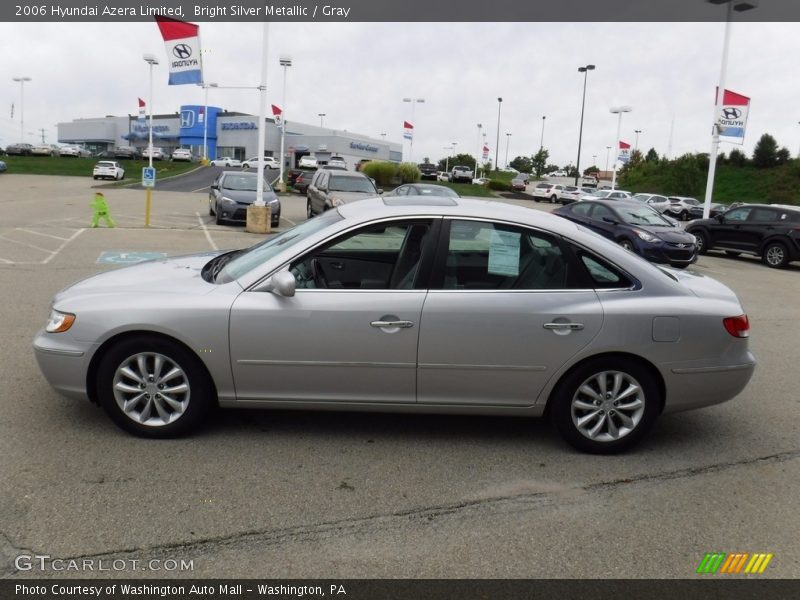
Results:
x,y
59,322
337,201
226,200
647,237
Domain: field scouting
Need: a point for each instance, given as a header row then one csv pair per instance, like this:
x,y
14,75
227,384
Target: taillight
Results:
x,y
737,326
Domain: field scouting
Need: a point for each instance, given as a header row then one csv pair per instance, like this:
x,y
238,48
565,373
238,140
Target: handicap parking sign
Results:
x,y
149,176
122,257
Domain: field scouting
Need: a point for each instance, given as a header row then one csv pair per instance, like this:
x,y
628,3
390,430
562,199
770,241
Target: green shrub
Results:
x,y
408,172
499,185
383,172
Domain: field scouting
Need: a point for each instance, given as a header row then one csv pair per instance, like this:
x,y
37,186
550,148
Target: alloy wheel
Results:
x,y
608,406
151,389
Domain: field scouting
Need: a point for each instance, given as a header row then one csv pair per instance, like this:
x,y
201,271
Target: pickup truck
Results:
x,y
427,170
461,173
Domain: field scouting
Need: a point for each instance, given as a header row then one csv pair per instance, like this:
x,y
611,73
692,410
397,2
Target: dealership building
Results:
x,y
226,133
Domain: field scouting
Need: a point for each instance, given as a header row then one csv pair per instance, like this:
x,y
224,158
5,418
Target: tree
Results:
x,y
593,170
783,156
523,164
447,163
652,155
765,154
539,162
737,158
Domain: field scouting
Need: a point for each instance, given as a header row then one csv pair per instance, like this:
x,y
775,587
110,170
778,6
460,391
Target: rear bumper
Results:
x,y
696,387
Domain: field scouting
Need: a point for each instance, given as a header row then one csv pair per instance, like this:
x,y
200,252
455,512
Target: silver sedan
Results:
x,y
423,304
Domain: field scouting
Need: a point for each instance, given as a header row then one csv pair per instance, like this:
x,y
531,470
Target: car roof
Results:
x,y
343,173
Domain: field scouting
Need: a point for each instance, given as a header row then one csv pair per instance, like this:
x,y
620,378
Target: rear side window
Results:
x,y
601,273
763,214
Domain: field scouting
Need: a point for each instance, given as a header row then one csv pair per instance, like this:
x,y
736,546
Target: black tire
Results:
x,y
627,244
197,400
309,210
275,222
218,219
210,210
94,177
775,255
643,406
702,242
553,199
684,216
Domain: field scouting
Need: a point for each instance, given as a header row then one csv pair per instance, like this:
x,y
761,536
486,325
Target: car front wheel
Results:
x,y
152,387
702,242
627,244
775,255
606,405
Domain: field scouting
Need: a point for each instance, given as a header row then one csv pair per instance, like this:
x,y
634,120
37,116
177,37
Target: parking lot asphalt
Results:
x,y
334,495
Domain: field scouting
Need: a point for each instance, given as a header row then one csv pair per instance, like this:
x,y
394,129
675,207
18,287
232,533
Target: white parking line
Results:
x,y
55,237
289,221
62,246
205,230
25,244
8,262
201,189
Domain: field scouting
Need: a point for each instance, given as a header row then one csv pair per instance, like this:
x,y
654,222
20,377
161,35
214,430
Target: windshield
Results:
x,y
437,191
242,183
641,215
351,184
260,253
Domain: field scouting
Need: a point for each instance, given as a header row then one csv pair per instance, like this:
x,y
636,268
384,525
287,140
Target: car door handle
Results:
x,y
400,324
337,265
570,326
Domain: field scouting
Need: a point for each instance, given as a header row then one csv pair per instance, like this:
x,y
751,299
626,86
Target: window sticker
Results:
x,y
504,253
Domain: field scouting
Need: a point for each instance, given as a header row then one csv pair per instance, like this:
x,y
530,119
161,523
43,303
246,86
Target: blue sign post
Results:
x,y
149,177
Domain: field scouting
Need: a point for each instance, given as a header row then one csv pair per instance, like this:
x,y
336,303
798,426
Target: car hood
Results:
x,y
247,197
178,275
669,234
701,285
352,196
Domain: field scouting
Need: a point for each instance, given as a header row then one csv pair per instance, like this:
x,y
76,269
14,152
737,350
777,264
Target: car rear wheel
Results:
x,y
553,199
775,255
155,388
702,242
309,210
606,405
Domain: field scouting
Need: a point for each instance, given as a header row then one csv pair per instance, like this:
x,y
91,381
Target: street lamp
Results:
x,y
22,81
478,155
508,138
285,62
151,60
205,120
452,148
636,143
617,110
585,70
383,136
738,6
594,160
541,140
497,141
607,150
321,116
413,102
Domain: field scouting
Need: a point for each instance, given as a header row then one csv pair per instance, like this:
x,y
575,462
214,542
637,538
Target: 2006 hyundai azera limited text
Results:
x,y
426,304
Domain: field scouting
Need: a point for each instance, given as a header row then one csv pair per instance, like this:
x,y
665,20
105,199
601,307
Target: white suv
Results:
x,y
548,191
181,154
269,162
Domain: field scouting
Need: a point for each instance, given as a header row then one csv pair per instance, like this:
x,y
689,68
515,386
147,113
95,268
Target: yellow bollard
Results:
x,y
259,219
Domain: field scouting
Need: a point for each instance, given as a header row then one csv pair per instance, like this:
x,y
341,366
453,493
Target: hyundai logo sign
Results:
x,y
731,113
182,51
187,119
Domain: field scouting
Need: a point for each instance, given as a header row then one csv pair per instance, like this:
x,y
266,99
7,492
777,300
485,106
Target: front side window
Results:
x,y
494,256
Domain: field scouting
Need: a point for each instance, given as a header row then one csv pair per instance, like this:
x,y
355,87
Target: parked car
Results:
x,y
19,150
182,154
309,162
548,191
637,228
480,181
226,161
519,184
557,174
680,207
768,231
427,170
423,189
105,154
158,153
302,181
462,174
270,162
660,203
572,193
75,151
696,212
233,191
607,194
337,161
583,331
108,169
443,176
3,167
123,152
45,150
330,189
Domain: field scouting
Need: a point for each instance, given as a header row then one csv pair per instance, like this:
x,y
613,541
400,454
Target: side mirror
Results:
x,y
214,186
380,190
282,284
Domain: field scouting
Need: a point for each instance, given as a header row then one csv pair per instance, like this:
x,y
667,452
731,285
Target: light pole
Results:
x,y
285,62
205,121
617,110
738,6
413,102
636,143
508,139
22,81
585,70
607,150
798,151
452,148
478,155
497,141
594,160
151,60
383,136
541,140
321,116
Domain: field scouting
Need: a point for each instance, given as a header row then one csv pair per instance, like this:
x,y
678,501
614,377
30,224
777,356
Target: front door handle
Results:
x,y
400,324
560,326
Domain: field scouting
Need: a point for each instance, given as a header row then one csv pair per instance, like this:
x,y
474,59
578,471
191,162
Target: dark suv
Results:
x,y
771,231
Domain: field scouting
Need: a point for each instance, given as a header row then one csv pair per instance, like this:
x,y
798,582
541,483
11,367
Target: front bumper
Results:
x,y
667,254
64,362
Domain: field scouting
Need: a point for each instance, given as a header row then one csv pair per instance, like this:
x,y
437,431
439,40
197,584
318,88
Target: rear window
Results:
x,y
544,185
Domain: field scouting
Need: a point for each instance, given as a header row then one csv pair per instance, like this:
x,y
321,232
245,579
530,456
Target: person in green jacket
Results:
x,y
101,210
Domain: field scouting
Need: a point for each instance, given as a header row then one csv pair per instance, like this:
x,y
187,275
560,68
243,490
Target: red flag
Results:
x,y
141,103
276,111
407,125
623,145
141,109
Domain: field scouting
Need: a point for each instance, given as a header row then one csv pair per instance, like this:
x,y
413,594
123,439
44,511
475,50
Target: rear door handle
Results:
x,y
570,326
400,324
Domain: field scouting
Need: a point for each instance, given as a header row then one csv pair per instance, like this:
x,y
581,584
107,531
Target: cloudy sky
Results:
x,y
358,74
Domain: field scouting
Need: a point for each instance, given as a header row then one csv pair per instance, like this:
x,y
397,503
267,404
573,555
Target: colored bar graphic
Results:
x,y
733,563
711,562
